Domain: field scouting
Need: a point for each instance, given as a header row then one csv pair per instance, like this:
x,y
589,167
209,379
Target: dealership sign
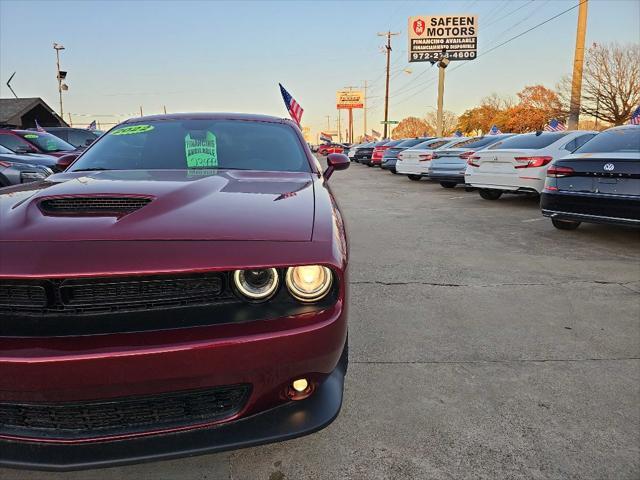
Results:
x,y
346,99
453,36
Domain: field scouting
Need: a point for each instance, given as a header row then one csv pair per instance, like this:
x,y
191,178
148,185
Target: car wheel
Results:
x,y
448,184
393,170
415,178
565,224
489,194
369,165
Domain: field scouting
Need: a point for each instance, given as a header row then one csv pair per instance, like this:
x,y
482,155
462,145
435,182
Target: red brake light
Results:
x,y
470,160
423,157
558,172
4,164
466,155
531,162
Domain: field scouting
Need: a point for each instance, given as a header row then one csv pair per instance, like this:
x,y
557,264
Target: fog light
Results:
x,y
299,389
300,385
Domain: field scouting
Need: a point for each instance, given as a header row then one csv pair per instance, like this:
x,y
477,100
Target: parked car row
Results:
x,y
581,175
29,155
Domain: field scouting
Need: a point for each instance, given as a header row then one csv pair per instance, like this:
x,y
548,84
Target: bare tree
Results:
x,y
610,83
449,122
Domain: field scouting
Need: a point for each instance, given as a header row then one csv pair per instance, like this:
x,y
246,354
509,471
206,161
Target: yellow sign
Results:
x,y
346,99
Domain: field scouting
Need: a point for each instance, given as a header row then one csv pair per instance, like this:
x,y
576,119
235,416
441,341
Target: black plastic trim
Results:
x,y
291,420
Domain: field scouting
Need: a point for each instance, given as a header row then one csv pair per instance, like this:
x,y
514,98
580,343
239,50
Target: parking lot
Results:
x,y
484,343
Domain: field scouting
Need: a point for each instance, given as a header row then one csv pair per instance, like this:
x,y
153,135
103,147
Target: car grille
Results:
x,y
112,294
100,205
95,419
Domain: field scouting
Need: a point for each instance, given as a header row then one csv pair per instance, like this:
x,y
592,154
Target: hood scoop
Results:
x,y
94,205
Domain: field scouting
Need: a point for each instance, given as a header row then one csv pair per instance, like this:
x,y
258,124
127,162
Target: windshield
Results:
x,y
619,140
47,142
197,144
412,142
529,140
6,151
477,142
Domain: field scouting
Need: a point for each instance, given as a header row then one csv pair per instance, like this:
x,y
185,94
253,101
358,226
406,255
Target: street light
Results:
x,y
61,75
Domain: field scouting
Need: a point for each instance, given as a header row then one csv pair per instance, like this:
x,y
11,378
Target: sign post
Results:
x,y
441,39
348,100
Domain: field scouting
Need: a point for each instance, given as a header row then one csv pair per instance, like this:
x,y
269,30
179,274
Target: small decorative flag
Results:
x,y
458,133
92,126
635,118
326,137
375,134
555,126
295,110
495,130
38,127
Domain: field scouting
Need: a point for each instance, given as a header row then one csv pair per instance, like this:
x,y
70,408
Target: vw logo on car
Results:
x,y
609,167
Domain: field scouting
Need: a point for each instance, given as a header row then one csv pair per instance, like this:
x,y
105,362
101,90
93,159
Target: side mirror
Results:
x,y
64,161
335,161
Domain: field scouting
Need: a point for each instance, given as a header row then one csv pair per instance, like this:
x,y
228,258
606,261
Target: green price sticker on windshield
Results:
x,y
201,152
132,130
31,135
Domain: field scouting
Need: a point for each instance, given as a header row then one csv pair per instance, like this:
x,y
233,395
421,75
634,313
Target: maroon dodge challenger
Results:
x,y
181,288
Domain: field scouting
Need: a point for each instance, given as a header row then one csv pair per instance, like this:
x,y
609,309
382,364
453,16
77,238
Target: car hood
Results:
x,y
185,205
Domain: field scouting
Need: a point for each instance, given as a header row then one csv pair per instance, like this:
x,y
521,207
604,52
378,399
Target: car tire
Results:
x,y
448,184
369,165
490,194
415,178
565,224
393,170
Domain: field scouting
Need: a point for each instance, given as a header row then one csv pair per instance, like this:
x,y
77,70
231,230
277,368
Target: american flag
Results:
x,y
92,126
495,130
458,133
375,134
294,109
555,126
326,137
38,127
635,118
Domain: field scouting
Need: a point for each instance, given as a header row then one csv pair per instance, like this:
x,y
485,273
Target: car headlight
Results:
x,y
257,285
32,176
309,283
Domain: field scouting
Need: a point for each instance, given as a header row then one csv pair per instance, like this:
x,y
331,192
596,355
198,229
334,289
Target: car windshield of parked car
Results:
x,y
530,140
47,142
412,142
6,151
197,144
477,142
432,144
619,140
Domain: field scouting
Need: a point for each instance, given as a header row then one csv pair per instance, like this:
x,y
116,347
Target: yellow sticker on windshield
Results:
x,y
201,152
133,129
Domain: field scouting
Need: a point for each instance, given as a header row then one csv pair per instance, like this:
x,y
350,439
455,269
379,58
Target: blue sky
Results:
x,y
230,56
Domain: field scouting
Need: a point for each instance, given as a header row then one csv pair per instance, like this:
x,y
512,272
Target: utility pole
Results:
x,y
339,128
141,111
578,60
61,75
387,34
442,64
328,123
365,108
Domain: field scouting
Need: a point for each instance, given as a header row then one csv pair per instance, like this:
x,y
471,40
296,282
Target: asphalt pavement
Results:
x,y
485,344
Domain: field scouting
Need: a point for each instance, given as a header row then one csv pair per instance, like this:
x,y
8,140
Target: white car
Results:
x,y
415,161
519,164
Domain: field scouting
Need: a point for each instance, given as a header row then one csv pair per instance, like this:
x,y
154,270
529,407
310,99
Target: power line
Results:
x,y
500,45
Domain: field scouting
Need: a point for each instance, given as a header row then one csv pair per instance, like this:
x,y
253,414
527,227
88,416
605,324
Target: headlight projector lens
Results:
x,y
256,284
309,283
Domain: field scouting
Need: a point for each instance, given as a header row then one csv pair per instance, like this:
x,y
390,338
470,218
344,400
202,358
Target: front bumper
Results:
x,y
284,422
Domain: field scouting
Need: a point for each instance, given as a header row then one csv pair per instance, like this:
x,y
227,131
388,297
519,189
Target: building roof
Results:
x,y
13,109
